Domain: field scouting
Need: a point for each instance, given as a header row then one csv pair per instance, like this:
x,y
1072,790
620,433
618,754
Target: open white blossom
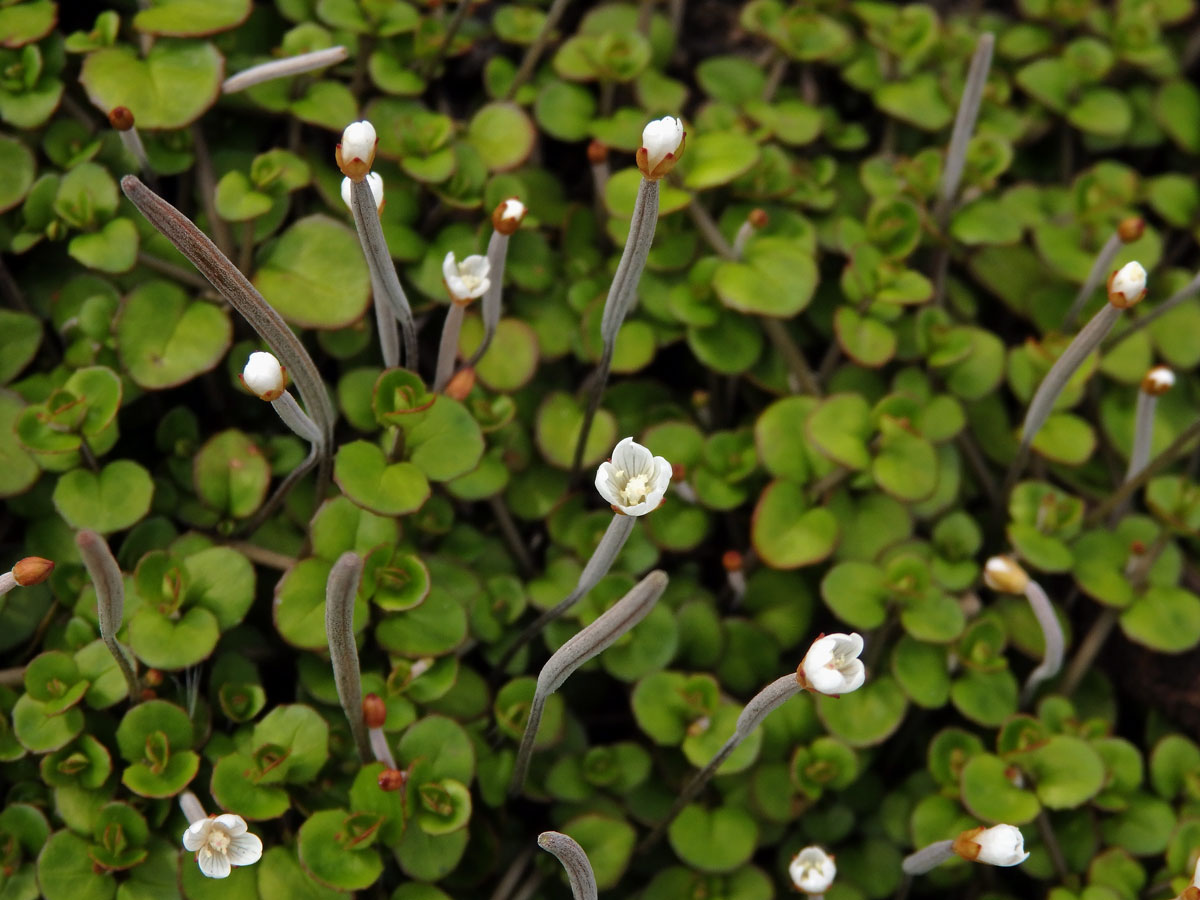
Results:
x,y
812,870
264,376
1127,285
634,481
1000,845
832,666
375,180
468,279
222,842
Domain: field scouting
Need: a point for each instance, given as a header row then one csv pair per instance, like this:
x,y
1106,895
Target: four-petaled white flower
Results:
x,y
356,152
1127,285
832,666
812,870
662,144
264,376
1000,845
375,180
468,279
222,842
634,481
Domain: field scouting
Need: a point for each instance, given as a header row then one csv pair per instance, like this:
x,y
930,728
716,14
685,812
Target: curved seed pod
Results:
x,y
340,591
573,858
110,600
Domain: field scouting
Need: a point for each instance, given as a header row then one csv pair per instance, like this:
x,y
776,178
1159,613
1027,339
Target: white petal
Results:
x,y
513,209
346,191
854,677
358,141
263,374
824,679
632,457
214,865
1130,280
849,644
235,825
662,474
197,834
821,652
475,266
450,268
245,849
605,484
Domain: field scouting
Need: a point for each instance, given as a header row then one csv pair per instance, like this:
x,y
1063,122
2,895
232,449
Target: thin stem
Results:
x,y
1143,433
512,537
448,348
261,555
110,601
460,15
534,53
792,355
290,480
246,247
766,701
489,307
964,126
1088,649
597,567
387,326
206,184
709,231
512,875
588,643
191,807
379,261
779,67
621,294
1050,839
340,592
133,143
744,233
1052,636
1104,260
573,858
283,68
379,747
1185,293
1178,448
928,858
296,419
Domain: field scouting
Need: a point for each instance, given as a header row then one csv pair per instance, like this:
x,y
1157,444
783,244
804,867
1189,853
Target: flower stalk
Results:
x,y
110,601
574,860
1003,574
964,126
1182,295
586,644
1157,382
121,119
340,592
1000,845
466,281
506,219
374,715
1128,230
283,68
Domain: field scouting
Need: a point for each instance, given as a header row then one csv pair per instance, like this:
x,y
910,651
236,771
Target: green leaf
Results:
x,y
165,340
502,134
1066,772
1164,618
65,871
777,279
1177,110
865,717
315,274
191,18
865,339
716,158
906,465
717,840
238,201
20,337
988,794
365,476
16,162
335,849
172,87
113,499
231,474
556,431
608,843
563,110
786,533
918,101
839,427
111,249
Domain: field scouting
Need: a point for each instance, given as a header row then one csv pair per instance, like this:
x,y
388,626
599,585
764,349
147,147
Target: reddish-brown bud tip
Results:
x,y
1137,548
121,118
32,570
678,471
732,561
392,779
149,694
374,711
597,152
461,384
758,218
1129,230
153,677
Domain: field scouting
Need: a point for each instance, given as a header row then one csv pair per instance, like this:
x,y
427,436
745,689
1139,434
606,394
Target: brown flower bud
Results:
x,y
758,218
508,215
149,694
153,677
374,711
1158,381
597,152
32,570
121,118
461,384
732,561
1129,230
392,779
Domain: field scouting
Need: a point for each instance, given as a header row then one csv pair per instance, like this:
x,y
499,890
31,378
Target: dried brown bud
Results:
x,y
32,570
461,384
121,118
392,779
597,152
1129,230
758,218
153,677
732,561
374,711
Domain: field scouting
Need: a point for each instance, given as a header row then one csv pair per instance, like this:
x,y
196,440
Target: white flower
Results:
x,y
375,180
468,279
264,376
832,666
1196,875
634,480
220,843
1127,285
1000,845
1158,381
812,870
660,138
358,141
1001,573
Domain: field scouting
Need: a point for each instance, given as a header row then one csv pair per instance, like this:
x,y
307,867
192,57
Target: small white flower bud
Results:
x,y
1001,573
662,145
1000,845
812,870
263,376
375,180
507,217
1127,285
1158,381
356,152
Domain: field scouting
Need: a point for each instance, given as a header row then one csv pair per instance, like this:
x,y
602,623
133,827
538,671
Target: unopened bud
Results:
x,y
597,152
149,694
32,570
153,677
678,471
1001,573
1129,230
121,118
758,218
392,779
356,152
374,711
1158,381
1127,285
507,216
461,384
732,561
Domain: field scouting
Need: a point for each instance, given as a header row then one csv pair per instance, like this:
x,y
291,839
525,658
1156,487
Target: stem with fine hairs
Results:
x,y
379,261
283,68
964,126
928,858
448,347
340,592
497,255
1104,259
1052,636
580,876
110,601
534,53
